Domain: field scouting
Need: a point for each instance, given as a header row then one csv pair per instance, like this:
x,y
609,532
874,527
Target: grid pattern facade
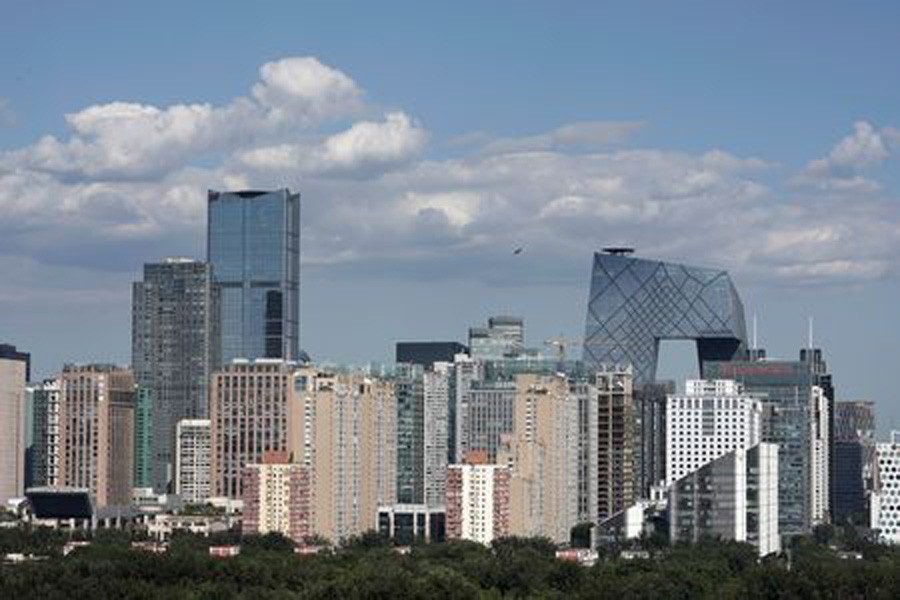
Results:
x,y
13,373
410,390
615,441
489,416
277,499
192,460
253,246
477,502
886,501
436,386
97,432
45,402
174,350
710,420
634,303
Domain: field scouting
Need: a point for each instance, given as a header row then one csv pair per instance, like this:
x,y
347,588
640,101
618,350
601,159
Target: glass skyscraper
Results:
x,y
253,245
634,303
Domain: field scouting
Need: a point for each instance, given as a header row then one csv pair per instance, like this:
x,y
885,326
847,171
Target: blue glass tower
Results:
x,y
253,245
634,303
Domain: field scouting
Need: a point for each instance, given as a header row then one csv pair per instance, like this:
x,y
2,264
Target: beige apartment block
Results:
x,y
96,432
542,453
615,440
348,439
12,418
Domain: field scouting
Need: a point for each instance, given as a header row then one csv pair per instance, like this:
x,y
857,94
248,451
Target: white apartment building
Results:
x,y
477,501
711,419
193,453
885,507
436,386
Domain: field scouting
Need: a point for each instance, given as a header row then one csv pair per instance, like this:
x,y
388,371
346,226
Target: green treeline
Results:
x,y
369,568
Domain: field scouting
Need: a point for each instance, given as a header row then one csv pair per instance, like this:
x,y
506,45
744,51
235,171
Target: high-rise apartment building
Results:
x,y
650,417
634,303
542,452
885,508
734,497
795,415
503,337
193,456
45,436
253,246
711,419
347,424
143,438
477,500
277,496
436,385
175,347
96,433
253,410
14,373
616,489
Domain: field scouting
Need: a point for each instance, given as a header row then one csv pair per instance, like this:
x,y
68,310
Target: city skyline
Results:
x,y
414,205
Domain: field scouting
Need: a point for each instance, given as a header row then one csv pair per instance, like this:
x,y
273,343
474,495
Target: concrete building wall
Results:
x,y
13,375
193,457
616,489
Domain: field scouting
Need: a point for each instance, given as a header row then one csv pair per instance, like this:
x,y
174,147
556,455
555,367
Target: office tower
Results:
x,y
465,371
634,303
348,427
253,246
854,458
542,452
96,432
45,463
406,524
711,419
143,438
477,500
174,350
814,360
436,392
487,416
193,457
14,372
734,497
277,498
252,411
426,354
409,387
885,507
615,440
503,337
795,416
650,417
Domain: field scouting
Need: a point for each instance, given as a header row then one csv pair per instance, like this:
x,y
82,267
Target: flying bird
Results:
x,y
517,251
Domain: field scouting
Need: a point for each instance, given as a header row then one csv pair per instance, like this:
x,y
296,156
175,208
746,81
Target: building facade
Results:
x,y
253,246
734,497
854,459
14,373
503,337
795,415
143,438
45,436
253,410
193,459
96,433
426,354
410,390
477,500
486,415
175,348
711,419
436,385
634,303
616,489
885,502
406,524
542,453
277,498
348,427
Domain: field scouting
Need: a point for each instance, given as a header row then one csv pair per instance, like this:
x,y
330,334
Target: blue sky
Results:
x,y
427,141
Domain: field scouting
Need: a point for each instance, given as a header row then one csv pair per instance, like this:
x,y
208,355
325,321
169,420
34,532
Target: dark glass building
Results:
x,y
428,353
175,347
634,303
253,245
